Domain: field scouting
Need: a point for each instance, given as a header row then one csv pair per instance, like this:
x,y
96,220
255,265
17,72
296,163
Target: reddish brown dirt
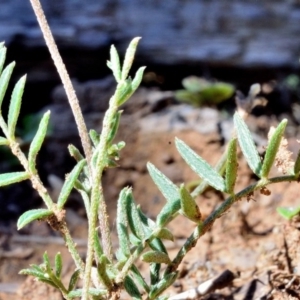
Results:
x,y
251,240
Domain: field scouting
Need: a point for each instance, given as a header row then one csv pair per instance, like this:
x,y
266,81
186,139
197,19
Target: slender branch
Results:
x,y
43,193
61,69
202,228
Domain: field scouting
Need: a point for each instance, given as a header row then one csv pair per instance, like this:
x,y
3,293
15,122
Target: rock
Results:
x,y
231,33
182,117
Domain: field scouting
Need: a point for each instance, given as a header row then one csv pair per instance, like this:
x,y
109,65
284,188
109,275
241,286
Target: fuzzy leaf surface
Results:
x,y
122,222
3,141
32,215
4,80
169,190
13,177
231,166
247,144
297,165
272,148
58,265
132,289
200,166
15,106
69,184
129,56
73,280
37,141
189,206
156,257
161,286
115,63
2,56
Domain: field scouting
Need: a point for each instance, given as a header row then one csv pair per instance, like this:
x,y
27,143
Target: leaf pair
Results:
x,y
126,87
261,169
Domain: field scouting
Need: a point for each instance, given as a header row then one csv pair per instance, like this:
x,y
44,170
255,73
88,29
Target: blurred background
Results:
x,y
240,42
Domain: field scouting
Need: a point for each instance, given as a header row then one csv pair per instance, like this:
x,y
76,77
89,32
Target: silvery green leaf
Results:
x,y
132,289
74,152
58,265
166,214
95,137
165,234
188,205
92,291
200,166
169,190
122,222
46,261
102,272
114,126
231,166
4,80
138,78
247,144
272,148
2,56
33,272
154,273
133,217
15,106
3,141
297,165
157,245
37,141
161,286
124,91
97,246
129,56
156,257
139,278
13,177
114,63
74,279
69,184
32,215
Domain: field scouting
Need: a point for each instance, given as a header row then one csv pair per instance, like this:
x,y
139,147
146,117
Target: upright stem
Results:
x,y
97,200
64,76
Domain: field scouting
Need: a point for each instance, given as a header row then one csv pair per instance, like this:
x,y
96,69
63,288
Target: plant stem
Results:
x,y
61,69
202,228
97,199
43,193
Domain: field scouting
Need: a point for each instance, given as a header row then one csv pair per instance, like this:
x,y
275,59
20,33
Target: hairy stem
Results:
x,y
74,103
43,193
98,204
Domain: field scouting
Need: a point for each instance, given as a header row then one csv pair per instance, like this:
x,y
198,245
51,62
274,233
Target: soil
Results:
x,y
252,241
